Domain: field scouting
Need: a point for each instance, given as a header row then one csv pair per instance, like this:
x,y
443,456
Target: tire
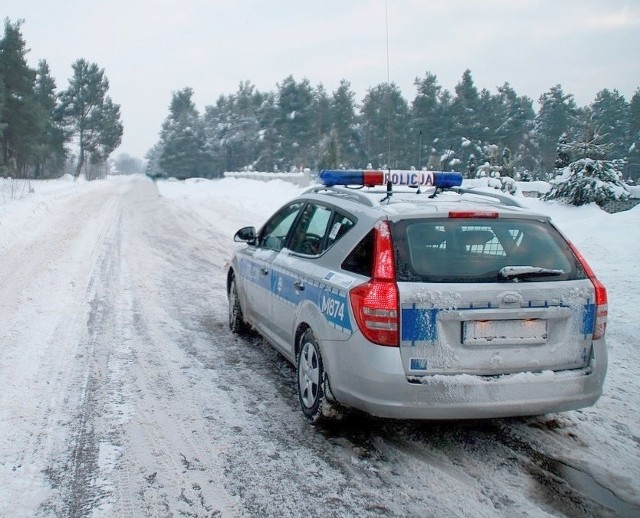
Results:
x,y
236,318
312,382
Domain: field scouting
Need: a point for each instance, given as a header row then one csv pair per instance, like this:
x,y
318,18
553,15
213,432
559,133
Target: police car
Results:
x,y
401,294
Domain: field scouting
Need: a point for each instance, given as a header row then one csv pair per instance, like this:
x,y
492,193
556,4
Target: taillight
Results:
x,y
602,309
375,303
601,303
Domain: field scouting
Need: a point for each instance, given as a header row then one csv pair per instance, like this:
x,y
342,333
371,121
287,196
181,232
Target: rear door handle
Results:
x,y
264,271
299,285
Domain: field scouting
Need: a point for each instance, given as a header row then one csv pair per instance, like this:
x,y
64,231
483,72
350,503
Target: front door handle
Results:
x,y
264,271
299,285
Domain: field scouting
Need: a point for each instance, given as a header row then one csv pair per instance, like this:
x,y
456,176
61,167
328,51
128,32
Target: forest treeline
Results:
x,y
469,130
45,133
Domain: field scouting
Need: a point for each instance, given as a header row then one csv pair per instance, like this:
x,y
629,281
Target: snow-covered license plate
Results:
x,y
503,332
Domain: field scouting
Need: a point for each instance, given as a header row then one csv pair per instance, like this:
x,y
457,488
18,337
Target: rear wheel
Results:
x,y
236,318
313,386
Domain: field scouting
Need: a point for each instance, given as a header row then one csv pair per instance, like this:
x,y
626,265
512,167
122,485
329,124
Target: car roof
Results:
x,y
412,203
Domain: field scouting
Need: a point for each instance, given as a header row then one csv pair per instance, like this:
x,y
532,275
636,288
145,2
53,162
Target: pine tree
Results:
x,y
153,169
294,123
515,119
488,117
246,125
346,128
466,128
3,125
89,114
266,113
232,129
50,154
329,155
322,111
385,123
610,116
182,140
563,153
633,156
447,144
110,129
217,128
428,122
589,177
634,117
19,117
466,103
466,107
558,114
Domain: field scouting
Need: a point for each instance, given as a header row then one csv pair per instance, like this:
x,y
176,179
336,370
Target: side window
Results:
x,y
340,225
274,233
318,228
309,236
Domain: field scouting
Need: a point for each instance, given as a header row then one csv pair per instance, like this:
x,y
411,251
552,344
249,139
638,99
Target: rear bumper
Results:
x,y
384,390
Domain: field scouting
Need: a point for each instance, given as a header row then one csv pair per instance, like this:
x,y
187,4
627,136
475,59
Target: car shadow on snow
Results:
x,y
559,486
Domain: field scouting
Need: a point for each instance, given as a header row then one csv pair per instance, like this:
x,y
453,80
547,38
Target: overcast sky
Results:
x,y
151,48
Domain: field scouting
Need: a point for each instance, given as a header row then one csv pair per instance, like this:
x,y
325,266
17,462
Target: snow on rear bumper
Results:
x,y
385,391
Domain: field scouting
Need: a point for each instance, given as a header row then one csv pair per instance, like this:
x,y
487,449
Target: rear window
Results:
x,y
482,250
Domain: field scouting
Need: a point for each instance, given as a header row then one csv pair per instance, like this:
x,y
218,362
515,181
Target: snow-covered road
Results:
x,y
123,393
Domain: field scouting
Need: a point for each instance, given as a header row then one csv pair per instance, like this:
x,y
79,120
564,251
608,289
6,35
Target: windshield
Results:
x,y
482,250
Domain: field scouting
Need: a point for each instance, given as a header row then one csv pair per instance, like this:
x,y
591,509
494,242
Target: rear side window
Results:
x,y
360,260
317,229
340,225
477,250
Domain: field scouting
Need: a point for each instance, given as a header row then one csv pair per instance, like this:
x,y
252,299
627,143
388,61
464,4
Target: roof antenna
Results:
x,y
386,6
387,198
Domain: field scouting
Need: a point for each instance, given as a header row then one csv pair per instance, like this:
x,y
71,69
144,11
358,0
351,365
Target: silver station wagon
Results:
x,y
421,300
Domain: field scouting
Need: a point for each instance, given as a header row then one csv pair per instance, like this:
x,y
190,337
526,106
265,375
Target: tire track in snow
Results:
x,y
82,492
177,468
45,278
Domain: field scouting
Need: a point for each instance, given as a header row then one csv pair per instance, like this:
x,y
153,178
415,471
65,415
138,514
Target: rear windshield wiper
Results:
x,y
527,272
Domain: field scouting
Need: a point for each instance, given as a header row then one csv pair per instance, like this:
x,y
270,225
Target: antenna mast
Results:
x,y
386,5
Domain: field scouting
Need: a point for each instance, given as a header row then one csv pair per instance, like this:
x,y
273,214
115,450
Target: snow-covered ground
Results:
x,y
124,394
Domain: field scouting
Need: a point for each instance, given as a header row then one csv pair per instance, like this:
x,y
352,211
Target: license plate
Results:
x,y
504,332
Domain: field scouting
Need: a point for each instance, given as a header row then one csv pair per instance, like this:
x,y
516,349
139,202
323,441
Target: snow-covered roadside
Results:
x,y
241,201
24,203
50,242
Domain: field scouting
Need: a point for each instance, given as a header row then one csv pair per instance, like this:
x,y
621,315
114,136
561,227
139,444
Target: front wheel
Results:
x,y
313,383
236,318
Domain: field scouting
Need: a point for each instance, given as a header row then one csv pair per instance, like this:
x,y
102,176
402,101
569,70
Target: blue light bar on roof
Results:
x,y
443,180
366,177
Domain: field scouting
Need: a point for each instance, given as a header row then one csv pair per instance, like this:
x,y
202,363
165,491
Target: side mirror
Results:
x,y
246,235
